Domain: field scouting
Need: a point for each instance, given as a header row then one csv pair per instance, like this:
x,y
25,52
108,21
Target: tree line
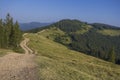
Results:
x,y
10,34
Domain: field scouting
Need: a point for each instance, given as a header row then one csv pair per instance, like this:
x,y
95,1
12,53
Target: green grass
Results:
x,y
110,32
52,33
85,29
57,62
4,52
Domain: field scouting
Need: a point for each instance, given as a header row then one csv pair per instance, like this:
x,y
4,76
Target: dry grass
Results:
x,y
110,32
57,62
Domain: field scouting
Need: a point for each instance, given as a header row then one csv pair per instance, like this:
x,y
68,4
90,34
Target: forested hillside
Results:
x,y
89,38
10,34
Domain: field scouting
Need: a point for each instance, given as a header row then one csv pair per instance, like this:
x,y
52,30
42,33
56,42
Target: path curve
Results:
x,y
15,66
23,44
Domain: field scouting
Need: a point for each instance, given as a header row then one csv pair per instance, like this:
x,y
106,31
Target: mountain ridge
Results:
x,y
95,25
94,40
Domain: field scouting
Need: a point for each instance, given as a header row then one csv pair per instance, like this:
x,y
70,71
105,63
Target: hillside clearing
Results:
x,y
110,32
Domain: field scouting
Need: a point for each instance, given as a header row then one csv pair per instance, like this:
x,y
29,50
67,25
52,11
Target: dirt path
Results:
x,y
23,44
15,66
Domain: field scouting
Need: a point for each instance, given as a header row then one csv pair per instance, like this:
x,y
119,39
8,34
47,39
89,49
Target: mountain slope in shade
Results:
x,y
32,25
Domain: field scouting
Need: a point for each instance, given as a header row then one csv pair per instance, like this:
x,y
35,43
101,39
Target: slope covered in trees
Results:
x,y
10,34
86,38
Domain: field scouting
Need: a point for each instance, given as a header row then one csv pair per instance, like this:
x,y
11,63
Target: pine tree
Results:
x,y
112,56
8,26
16,35
10,34
1,33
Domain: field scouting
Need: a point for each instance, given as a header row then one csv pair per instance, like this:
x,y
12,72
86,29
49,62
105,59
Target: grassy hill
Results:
x,y
93,39
57,62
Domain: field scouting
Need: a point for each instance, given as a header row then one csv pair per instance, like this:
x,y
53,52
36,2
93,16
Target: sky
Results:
x,y
100,11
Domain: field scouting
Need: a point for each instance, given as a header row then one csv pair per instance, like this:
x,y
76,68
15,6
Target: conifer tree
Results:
x,y
112,56
8,27
1,33
15,35
10,34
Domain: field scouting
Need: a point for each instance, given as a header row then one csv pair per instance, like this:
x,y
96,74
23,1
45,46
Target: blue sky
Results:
x,y
102,11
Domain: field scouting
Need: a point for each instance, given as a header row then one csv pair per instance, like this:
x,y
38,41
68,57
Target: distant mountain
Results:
x,y
32,25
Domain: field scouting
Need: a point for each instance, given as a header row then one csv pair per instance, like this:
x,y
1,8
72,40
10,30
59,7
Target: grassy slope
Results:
x,y
84,30
110,32
57,62
52,33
